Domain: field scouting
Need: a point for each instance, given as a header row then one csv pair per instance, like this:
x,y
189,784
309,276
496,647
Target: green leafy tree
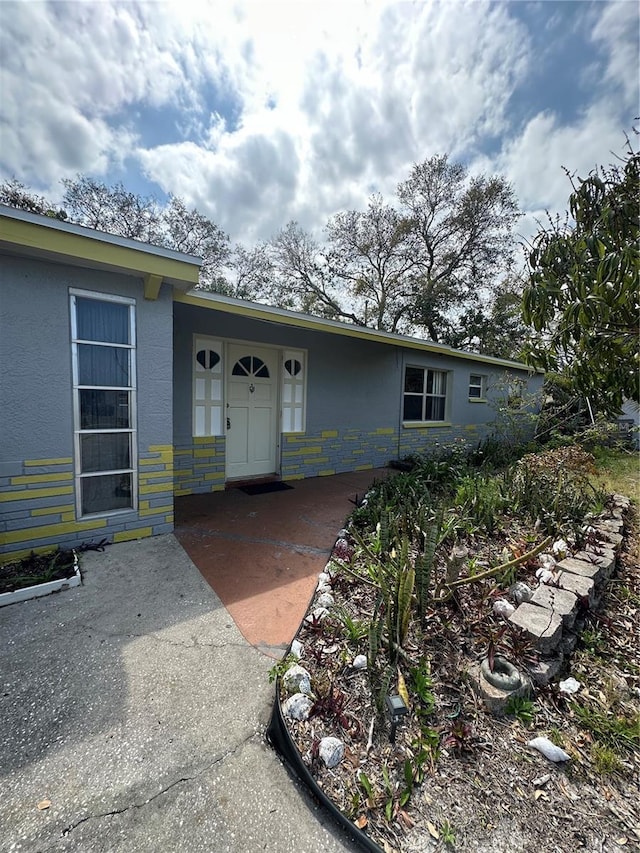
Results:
x,y
495,329
583,295
406,267
463,237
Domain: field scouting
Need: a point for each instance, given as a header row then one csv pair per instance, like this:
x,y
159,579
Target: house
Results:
x,y
123,388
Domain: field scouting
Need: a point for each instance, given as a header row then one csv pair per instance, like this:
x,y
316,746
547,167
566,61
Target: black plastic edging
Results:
x,y
280,739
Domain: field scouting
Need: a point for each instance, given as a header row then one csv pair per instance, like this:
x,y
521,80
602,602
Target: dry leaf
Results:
x,y
622,841
362,821
402,689
538,794
44,804
433,832
406,819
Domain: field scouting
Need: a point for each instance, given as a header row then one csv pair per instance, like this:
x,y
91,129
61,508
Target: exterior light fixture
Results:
x,y
396,710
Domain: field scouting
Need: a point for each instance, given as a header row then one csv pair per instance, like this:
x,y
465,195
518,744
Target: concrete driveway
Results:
x,y
135,706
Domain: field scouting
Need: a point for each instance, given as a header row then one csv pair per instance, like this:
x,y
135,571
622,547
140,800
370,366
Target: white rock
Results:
x,y
548,749
560,548
360,662
297,707
297,649
547,561
502,607
318,614
325,599
545,575
331,751
323,579
297,680
569,685
521,592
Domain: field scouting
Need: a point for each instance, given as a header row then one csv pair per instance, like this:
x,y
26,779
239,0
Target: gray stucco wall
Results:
x,y
354,396
36,442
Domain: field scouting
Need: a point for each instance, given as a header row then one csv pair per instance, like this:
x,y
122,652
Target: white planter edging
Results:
x,y
43,588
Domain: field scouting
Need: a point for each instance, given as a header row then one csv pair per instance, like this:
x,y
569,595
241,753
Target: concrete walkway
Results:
x,y
262,553
135,706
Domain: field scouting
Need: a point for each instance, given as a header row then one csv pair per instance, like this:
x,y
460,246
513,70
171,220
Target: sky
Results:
x,y
259,113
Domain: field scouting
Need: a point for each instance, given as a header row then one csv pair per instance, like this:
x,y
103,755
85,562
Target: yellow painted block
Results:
x,y
312,449
363,467
27,494
52,510
384,431
180,492
426,425
143,504
52,530
214,475
154,488
128,535
206,439
203,453
329,433
293,477
156,510
155,475
471,428
169,518
28,479
68,516
33,463
182,452
326,472
160,448
315,460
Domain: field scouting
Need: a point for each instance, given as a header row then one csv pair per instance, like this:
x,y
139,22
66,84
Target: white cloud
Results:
x,y
357,99
330,100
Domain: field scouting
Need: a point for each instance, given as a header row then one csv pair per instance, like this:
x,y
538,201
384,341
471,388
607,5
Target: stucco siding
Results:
x,y
37,487
353,400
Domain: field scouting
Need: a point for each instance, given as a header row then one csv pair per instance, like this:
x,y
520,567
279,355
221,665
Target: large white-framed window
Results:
x,y
207,386
103,344
293,391
425,394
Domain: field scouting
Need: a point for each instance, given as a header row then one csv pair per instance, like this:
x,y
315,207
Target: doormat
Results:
x,y
264,488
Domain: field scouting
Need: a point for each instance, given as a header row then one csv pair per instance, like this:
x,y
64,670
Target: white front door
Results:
x,y
251,411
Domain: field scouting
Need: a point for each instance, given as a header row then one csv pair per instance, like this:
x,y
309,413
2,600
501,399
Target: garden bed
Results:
x,y
402,619
38,575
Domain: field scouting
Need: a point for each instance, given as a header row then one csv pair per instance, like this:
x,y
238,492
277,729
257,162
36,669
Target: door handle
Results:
x,y
228,423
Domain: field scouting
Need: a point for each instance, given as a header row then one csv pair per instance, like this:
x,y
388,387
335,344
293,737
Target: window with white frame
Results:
x,y
425,394
293,387
477,386
104,402
207,386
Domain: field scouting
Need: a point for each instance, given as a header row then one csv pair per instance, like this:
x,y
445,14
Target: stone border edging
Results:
x,y
549,616
280,739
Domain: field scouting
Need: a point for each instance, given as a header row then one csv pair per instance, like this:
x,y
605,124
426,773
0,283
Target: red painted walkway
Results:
x,y
262,553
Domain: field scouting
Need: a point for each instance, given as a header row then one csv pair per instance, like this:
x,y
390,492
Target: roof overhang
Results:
x,y
34,235
257,311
